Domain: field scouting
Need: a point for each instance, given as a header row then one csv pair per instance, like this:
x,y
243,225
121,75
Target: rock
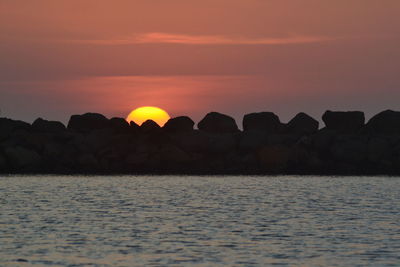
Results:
x,y
3,164
8,126
173,154
119,125
282,139
149,126
215,122
21,158
134,127
46,126
262,121
302,124
88,162
179,124
88,122
378,149
252,140
138,158
347,122
385,122
274,158
349,150
194,141
221,143
98,139
323,139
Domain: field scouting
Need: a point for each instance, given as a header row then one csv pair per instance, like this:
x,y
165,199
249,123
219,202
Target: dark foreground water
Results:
x,y
203,221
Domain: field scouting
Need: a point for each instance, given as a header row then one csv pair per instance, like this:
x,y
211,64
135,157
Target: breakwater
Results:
x,y
94,144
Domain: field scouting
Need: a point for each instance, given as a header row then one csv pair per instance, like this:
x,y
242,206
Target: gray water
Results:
x,y
199,221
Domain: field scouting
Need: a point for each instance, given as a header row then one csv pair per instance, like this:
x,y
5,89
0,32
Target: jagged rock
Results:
x,y
134,127
21,158
222,143
385,122
98,139
119,125
282,139
252,140
262,121
349,150
3,163
274,158
302,124
179,124
350,121
323,139
171,153
149,126
88,122
378,149
138,158
8,126
215,122
88,162
194,141
45,126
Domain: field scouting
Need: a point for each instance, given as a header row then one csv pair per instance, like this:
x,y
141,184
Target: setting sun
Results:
x,y
143,114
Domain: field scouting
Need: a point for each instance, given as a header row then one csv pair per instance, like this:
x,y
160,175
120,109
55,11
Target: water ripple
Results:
x,y
202,221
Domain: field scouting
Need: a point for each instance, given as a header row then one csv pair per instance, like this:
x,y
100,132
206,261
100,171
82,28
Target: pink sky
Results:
x,y
64,57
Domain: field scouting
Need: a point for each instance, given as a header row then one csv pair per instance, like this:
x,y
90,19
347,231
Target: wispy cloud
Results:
x,y
167,38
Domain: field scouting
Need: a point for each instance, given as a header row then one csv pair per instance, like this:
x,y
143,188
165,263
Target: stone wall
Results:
x,y
93,144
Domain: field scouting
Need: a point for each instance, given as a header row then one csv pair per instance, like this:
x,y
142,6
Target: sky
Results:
x,y
64,57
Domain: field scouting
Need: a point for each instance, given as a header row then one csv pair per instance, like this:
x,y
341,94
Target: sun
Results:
x,y
143,114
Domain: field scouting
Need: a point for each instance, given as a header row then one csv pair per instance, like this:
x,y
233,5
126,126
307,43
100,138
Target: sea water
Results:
x,y
199,221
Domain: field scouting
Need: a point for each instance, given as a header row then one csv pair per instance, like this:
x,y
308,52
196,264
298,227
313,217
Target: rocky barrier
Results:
x,y
93,144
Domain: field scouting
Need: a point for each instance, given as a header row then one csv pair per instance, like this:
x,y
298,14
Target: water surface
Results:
x,y
199,221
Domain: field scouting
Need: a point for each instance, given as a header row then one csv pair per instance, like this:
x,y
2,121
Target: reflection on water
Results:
x,y
236,221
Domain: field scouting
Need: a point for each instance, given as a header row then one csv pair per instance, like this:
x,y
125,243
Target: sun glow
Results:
x,y
143,114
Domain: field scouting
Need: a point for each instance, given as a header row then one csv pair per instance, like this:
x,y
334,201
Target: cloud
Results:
x,y
184,39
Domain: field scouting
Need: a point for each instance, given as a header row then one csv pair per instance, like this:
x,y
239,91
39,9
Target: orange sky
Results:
x,y
189,57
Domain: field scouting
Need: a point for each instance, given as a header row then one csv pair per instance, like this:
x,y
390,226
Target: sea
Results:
x,y
199,221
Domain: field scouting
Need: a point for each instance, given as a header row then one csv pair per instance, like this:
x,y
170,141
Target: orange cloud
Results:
x,y
167,38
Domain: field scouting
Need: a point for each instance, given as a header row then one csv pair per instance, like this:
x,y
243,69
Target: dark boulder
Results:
x,y
22,158
179,124
8,126
149,126
88,122
386,122
222,143
3,163
45,126
194,141
119,125
302,124
261,121
252,140
341,121
88,163
274,158
378,149
351,150
215,122
172,154
134,127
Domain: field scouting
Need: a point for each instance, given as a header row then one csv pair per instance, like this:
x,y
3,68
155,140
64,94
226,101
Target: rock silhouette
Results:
x,y
179,124
386,122
94,144
215,122
262,121
349,121
302,124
